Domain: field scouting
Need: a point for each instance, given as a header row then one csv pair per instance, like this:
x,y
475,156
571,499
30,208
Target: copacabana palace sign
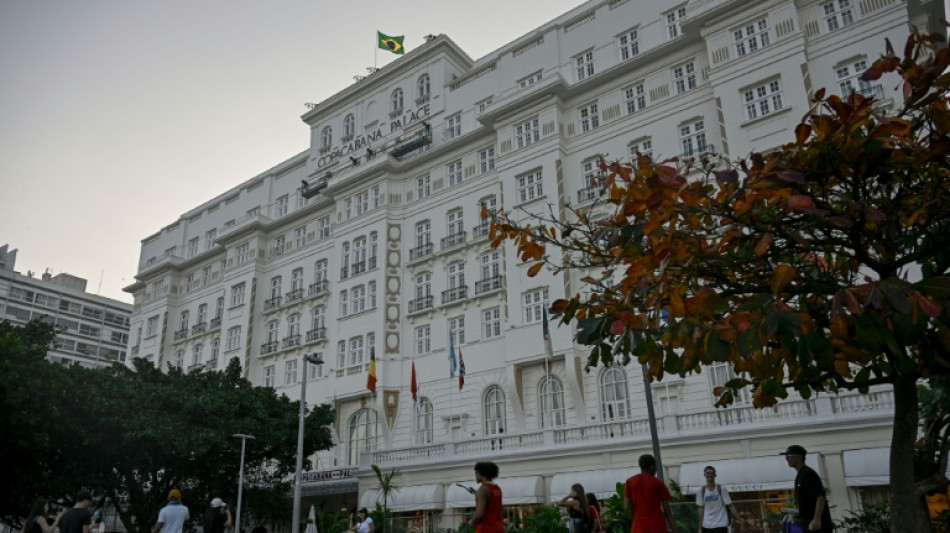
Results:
x,y
365,141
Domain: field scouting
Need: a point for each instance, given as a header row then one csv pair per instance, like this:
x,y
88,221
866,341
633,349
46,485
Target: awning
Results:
x,y
411,498
602,483
514,491
746,475
869,467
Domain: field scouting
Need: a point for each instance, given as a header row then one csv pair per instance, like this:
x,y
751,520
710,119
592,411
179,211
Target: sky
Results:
x,y
118,116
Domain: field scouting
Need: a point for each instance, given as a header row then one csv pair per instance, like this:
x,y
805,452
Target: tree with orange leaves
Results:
x,y
822,266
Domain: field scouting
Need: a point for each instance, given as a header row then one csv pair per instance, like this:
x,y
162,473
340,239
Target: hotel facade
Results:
x,y
369,242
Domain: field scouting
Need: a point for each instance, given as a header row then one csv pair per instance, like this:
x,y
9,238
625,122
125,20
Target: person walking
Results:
x,y
487,517
218,517
78,519
593,508
364,524
647,500
813,511
37,522
172,517
715,505
576,504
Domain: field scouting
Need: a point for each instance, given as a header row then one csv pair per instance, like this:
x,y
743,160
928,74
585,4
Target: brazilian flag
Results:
x,y
393,44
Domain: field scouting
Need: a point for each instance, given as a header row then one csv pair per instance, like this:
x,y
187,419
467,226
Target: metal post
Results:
x,y
237,514
295,524
652,418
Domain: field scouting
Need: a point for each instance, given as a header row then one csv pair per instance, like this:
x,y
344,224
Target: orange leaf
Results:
x,y
763,245
781,277
535,268
617,327
677,307
800,202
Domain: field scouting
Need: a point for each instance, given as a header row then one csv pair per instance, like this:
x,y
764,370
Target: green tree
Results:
x,y
819,267
387,485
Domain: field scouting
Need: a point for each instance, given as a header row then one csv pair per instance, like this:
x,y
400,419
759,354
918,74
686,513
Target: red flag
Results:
x,y
413,387
371,378
461,370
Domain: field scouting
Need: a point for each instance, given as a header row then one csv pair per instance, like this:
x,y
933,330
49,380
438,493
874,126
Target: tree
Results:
x,y
819,267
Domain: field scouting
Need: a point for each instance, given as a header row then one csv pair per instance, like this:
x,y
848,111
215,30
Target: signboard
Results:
x,y
364,141
327,475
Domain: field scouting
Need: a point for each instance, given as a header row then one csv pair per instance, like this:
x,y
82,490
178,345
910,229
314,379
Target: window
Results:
x,y
635,97
344,302
614,397
453,126
629,45
242,254
341,354
182,325
455,222
423,284
323,227
237,294
530,80
530,186
347,208
591,172
424,418
234,338
673,20
422,187
693,138
300,237
356,351
269,376
275,283
210,235
326,138
320,270
454,172
762,100
490,265
151,326
362,203
423,340
371,343
219,307
486,159
373,248
349,126
457,329
483,106
375,197
296,280
319,319
534,303
371,288
527,132
684,76
215,350
283,204
273,332
359,299
293,325
363,435
202,314
584,65
193,247
849,78
345,260
395,106
551,401
422,87
316,371
719,374
590,119
491,322
206,276
423,233
456,273
280,244
290,372
838,14
643,145
494,411
359,255
750,38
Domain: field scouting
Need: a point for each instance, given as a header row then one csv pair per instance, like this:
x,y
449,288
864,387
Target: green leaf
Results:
x,y
589,330
937,286
717,349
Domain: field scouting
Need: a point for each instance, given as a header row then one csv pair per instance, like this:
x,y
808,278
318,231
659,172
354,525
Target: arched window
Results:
x,y
551,402
363,434
396,101
326,137
614,397
422,87
424,426
494,407
349,126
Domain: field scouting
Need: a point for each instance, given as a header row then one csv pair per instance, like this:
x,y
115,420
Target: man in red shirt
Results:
x,y
488,510
647,500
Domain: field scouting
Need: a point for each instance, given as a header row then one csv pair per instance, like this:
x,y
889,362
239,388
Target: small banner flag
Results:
x,y
461,370
546,332
452,363
371,378
414,387
393,44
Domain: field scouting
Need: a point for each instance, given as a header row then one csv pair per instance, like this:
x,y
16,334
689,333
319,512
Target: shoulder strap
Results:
x,y
702,493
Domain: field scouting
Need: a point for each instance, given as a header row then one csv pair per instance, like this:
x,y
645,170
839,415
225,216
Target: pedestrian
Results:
x,y
715,505
576,504
172,517
593,508
218,517
813,510
487,517
37,522
364,524
78,519
647,500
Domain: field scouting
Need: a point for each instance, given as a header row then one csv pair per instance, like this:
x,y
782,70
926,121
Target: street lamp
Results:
x,y
314,359
237,517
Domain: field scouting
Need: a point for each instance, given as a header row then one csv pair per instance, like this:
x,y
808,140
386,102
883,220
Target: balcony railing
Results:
x,y
453,240
318,287
359,267
272,303
181,334
486,285
199,328
587,194
317,334
216,323
454,294
291,340
420,304
420,251
269,347
294,295
480,230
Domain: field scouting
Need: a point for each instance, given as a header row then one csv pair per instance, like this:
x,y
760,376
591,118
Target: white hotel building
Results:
x,y
388,254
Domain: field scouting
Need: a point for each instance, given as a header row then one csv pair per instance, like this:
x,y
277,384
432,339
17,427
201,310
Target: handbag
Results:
x,y
792,527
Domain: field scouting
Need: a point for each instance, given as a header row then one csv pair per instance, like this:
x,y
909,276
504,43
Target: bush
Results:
x,y
871,519
544,520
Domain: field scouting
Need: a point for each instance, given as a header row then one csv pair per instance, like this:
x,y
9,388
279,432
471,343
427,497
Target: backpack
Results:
x,y
702,494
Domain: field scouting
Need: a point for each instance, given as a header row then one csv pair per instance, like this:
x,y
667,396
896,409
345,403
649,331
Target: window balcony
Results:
x,y
199,328
317,334
420,251
420,304
272,303
269,347
181,334
319,287
487,285
359,268
453,240
291,340
345,272
454,294
587,194
294,295
277,251
480,230
215,323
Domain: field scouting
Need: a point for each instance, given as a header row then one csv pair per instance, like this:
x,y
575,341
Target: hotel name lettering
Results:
x,y
326,475
365,141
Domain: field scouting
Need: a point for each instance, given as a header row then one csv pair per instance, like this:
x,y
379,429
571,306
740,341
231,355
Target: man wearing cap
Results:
x,y
813,512
172,517
218,517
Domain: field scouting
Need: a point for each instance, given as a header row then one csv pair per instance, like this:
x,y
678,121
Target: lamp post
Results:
x,y
237,516
316,360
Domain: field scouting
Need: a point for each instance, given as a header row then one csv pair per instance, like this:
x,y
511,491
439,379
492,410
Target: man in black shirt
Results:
x,y
77,519
813,512
218,517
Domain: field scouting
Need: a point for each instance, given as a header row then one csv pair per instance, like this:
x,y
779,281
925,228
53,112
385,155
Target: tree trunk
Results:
x,y
907,512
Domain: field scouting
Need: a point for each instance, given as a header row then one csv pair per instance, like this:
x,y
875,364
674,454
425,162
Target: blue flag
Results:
x,y
452,363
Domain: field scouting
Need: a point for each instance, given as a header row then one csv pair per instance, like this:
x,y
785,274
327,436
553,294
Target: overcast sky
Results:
x,y
117,116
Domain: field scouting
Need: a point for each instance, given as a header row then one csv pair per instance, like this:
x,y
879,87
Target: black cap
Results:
x,y
795,449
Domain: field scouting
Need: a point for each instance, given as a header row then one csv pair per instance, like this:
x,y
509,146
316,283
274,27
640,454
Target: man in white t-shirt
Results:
x,y
714,504
172,517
